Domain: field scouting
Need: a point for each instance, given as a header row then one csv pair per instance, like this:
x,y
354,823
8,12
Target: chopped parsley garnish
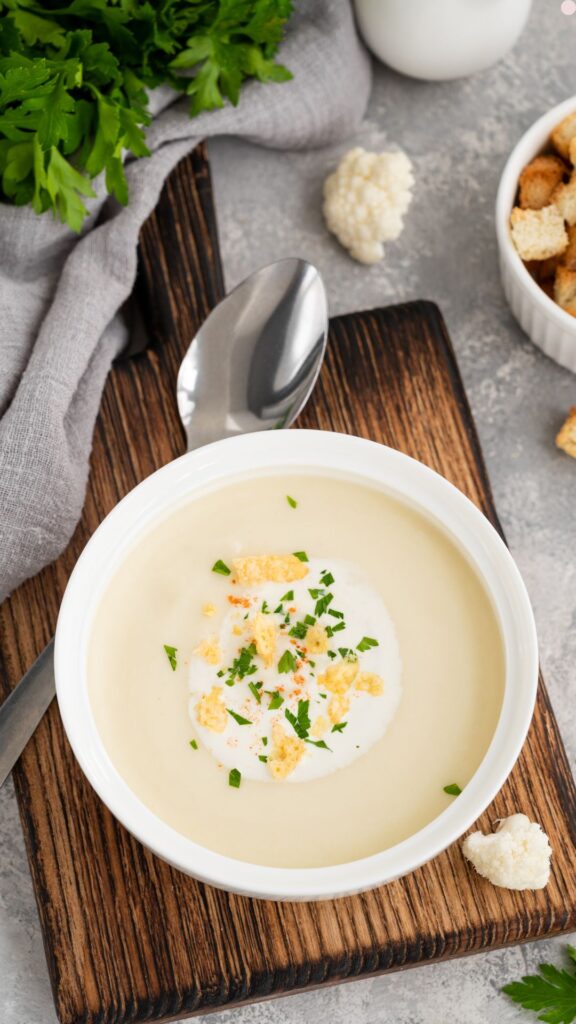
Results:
x,y
331,654
299,630
171,652
316,592
339,727
238,718
326,578
234,778
291,502
279,609
338,628
287,663
322,604
453,789
366,643
288,596
301,556
301,721
265,609
323,695
319,743
193,744
264,741
263,758
309,620
347,653
337,615
276,701
242,665
255,690
221,568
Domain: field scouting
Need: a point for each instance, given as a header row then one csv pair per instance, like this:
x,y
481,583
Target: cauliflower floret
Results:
x,y
209,650
365,200
265,634
316,640
370,683
337,708
516,856
254,569
339,678
211,710
287,752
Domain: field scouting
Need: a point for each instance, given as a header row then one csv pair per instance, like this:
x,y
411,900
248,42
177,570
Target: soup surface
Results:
x,y
289,670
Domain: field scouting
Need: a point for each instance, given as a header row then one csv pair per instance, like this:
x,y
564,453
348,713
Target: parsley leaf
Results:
x,y
287,663
366,643
291,501
238,718
339,727
171,653
221,568
276,701
301,555
453,789
553,991
234,778
300,722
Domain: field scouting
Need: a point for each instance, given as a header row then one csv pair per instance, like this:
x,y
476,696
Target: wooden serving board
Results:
x,y
129,939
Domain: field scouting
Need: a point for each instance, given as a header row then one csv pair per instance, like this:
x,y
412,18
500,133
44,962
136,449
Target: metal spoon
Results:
x,y
251,366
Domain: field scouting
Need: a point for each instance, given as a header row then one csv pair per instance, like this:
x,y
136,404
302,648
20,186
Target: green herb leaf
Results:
x,y
263,758
300,722
238,718
291,501
339,727
299,630
194,744
171,653
234,778
319,743
255,690
301,555
366,643
221,568
552,993
242,666
453,789
287,663
288,596
276,701
265,608
264,741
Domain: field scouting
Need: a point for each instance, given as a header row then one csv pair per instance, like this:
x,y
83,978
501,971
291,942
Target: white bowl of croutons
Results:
x,y
536,230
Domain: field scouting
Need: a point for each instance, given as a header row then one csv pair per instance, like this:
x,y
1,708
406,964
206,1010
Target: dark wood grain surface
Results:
x,y
129,939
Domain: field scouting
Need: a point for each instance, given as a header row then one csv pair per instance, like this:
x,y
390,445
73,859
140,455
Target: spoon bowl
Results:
x,y
255,359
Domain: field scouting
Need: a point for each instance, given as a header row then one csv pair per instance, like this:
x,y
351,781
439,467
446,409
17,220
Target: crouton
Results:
x,y
569,257
339,678
317,641
538,181
211,710
572,151
565,289
370,683
563,134
209,650
538,234
564,199
255,569
566,438
287,752
265,635
338,706
545,269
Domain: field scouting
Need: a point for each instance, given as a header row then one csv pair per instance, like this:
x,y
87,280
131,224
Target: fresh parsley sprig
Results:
x,y
551,993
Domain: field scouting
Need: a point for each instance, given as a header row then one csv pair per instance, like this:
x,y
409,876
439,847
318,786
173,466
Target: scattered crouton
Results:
x,y
566,438
565,289
370,683
317,640
209,650
563,135
265,636
546,269
569,256
338,707
538,181
564,199
572,151
286,754
538,234
254,569
339,677
211,710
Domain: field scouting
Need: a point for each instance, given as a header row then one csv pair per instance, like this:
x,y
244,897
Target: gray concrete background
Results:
x,y
458,135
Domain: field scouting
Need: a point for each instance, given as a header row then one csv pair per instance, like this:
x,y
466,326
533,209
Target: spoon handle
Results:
x,y
23,710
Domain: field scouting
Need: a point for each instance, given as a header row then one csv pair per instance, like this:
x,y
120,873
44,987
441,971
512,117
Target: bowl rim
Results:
x,y
330,454
528,146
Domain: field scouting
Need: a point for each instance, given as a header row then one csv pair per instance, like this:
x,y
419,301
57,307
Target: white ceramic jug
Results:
x,y
441,39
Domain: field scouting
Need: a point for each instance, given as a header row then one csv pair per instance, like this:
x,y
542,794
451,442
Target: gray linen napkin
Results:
x,y
60,294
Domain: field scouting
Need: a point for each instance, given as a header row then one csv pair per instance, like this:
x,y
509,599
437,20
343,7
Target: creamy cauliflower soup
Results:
x,y
296,671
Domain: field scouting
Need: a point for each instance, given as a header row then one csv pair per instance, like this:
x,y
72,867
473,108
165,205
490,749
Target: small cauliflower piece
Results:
x,y
287,752
211,710
516,856
365,200
265,637
370,683
538,234
209,650
208,609
338,706
566,437
316,641
318,727
254,569
339,678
